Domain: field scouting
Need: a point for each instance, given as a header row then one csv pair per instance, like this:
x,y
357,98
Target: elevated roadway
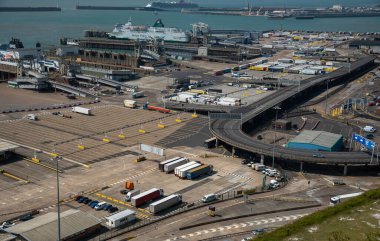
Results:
x,y
231,132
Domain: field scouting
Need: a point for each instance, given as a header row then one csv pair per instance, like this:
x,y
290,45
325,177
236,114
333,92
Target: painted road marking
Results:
x,y
141,213
238,225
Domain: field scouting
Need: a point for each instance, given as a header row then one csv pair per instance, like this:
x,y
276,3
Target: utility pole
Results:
x,y
275,128
57,159
327,93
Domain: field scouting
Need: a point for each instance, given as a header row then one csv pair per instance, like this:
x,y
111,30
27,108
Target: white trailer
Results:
x,y
183,172
120,218
165,203
163,163
170,166
81,110
130,103
177,169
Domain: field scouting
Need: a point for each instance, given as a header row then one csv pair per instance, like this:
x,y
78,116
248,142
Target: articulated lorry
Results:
x,y
199,171
81,110
146,196
165,203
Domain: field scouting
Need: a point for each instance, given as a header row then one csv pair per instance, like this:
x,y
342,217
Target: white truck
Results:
x,y
131,194
165,203
120,218
130,104
81,110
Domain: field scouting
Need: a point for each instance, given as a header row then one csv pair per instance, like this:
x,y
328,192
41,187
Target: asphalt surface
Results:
x,y
230,132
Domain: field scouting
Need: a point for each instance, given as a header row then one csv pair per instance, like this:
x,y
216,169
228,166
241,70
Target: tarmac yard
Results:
x,y
101,169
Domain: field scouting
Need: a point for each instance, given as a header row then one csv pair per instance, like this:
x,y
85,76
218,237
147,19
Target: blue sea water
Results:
x,y
49,27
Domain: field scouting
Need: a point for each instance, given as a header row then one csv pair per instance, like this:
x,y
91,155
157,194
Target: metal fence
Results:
x,y
141,223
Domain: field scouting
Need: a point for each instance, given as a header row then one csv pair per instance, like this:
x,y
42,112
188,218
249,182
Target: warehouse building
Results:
x,y
75,225
317,141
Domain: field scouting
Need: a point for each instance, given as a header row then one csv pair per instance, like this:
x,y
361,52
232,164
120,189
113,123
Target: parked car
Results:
x,y
100,206
86,201
369,136
245,161
113,209
82,199
107,207
258,231
280,178
6,224
93,204
78,197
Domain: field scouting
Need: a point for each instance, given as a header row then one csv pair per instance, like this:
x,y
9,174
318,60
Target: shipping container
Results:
x,y
130,103
285,61
81,110
179,168
170,166
199,171
210,143
146,196
183,172
165,203
161,164
120,218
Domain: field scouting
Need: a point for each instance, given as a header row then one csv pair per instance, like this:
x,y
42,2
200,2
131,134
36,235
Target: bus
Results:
x,y
337,199
210,143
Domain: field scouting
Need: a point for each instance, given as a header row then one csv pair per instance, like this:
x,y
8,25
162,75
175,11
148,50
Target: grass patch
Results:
x,y
327,219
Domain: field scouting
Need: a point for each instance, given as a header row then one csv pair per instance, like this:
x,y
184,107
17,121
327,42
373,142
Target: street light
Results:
x,y
57,159
275,128
327,94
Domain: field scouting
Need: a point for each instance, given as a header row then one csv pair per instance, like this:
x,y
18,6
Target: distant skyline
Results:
x,y
208,3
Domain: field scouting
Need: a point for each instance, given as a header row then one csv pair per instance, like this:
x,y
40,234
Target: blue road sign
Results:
x,y
365,142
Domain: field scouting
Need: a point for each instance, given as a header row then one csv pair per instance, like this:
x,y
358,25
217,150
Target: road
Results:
x,y
230,132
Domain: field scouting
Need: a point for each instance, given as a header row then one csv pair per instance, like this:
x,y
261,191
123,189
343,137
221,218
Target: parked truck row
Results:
x,y
185,169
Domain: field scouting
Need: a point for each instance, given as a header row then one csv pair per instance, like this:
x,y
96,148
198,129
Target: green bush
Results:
x,y
317,217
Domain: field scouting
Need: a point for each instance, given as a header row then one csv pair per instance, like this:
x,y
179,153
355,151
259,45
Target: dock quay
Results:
x,y
30,9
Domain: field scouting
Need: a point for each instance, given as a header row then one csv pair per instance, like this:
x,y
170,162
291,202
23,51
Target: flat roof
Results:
x,y
121,214
320,138
45,227
6,146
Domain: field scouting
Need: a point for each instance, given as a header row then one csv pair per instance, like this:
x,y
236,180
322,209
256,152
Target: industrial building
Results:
x,y
75,225
317,140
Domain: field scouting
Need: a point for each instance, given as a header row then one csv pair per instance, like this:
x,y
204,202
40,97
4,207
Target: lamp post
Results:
x,y
275,128
327,93
57,159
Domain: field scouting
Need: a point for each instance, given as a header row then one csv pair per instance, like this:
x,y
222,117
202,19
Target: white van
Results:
x,y
369,129
32,117
100,205
132,193
260,168
209,198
